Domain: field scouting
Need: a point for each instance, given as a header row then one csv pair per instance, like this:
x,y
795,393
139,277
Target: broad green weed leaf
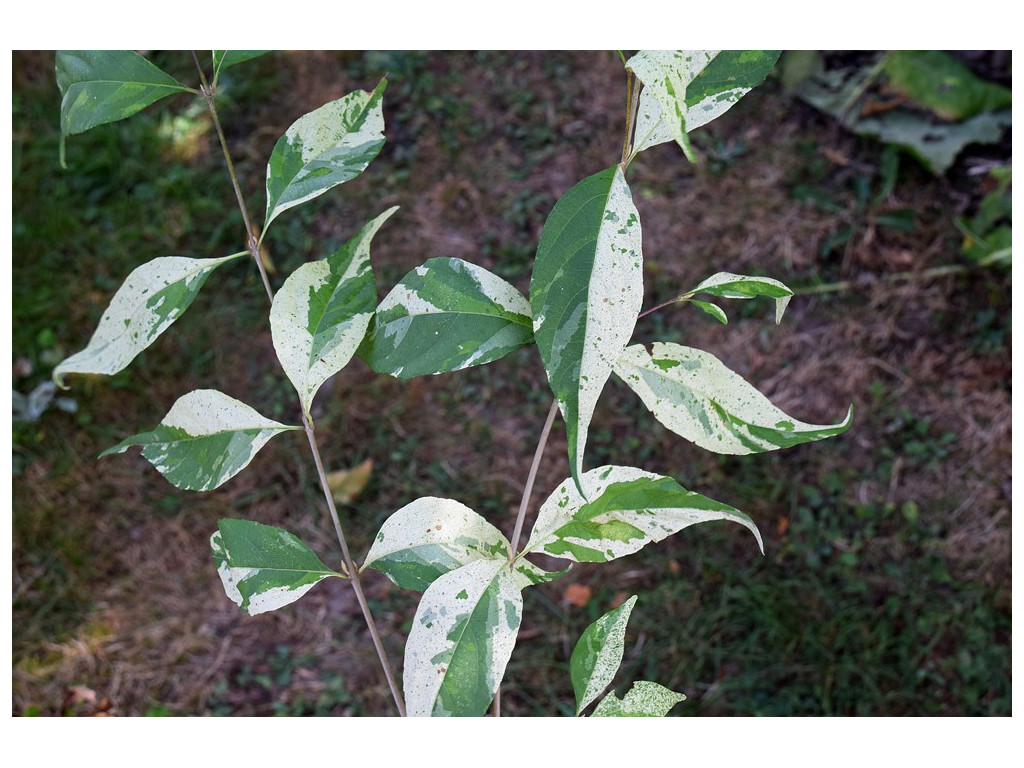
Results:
x,y
430,537
585,293
644,699
684,90
264,568
320,315
696,396
446,315
324,148
628,508
151,298
204,440
225,59
730,286
461,639
598,654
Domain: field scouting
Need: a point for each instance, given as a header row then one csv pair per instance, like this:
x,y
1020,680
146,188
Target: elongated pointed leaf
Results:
x,y
262,567
645,699
731,286
445,316
204,440
461,639
321,313
684,90
430,537
324,148
225,59
151,298
628,508
598,654
585,292
103,86
696,396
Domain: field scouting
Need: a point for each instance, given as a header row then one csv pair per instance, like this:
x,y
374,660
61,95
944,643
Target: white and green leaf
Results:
x,y
151,298
598,654
644,699
204,440
324,148
712,309
225,59
727,285
264,568
446,315
696,396
628,508
684,90
461,639
320,315
585,293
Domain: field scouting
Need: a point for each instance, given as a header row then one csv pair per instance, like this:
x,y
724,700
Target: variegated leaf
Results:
x,y
712,309
446,315
262,567
696,396
461,639
585,293
320,315
204,440
151,298
684,90
627,509
644,699
730,286
598,654
324,148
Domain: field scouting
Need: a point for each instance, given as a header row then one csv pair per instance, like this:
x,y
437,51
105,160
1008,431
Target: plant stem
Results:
x,y
896,277
353,570
528,490
646,312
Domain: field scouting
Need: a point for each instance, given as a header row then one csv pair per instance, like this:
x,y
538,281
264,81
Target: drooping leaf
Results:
x,y
696,396
644,699
225,59
585,293
730,286
151,298
712,309
628,508
598,654
684,90
324,148
430,537
204,440
461,639
264,568
320,315
444,316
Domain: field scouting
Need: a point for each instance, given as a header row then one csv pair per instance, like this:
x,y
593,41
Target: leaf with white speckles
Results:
x,y
585,293
696,396
644,699
731,286
598,654
320,315
628,509
326,147
461,639
262,567
204,440
151,298
684,90
446,315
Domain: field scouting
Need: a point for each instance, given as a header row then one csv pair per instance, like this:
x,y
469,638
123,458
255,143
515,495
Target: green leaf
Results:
x,y
645,699
151,298
445,316
628,508
430,537
204,440
320,315
598,654
693,394
264,568
324,148
712,309
103,86
939,82
225,59
684,90
729,286
585,293
534,574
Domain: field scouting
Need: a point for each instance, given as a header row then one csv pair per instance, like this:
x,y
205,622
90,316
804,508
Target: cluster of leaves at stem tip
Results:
x,y
448,314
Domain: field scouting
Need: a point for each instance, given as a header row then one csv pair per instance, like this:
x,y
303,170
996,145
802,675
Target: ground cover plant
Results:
x,y
616,427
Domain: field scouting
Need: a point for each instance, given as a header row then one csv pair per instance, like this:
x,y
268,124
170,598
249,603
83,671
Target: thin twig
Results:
x,y
528,490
